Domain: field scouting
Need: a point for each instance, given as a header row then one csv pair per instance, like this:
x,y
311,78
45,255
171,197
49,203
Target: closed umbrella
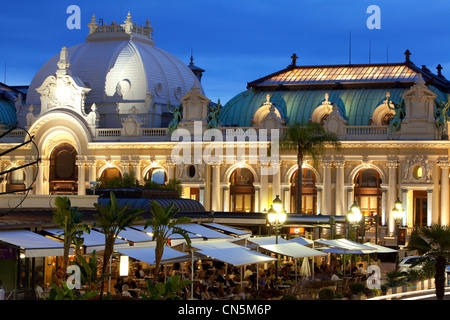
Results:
x,y
305,271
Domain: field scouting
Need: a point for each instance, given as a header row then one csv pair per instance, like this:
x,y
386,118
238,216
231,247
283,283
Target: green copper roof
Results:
x,y
356,105
7,112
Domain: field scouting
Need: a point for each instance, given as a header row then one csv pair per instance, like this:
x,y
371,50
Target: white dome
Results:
x,y
122,66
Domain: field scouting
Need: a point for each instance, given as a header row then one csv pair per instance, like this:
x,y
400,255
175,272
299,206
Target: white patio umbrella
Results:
x,y
305,271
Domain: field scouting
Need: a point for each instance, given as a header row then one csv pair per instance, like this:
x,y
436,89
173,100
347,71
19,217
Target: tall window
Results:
x,y
420,208
16,180
157,175
368,191
309,192
242,190
63,170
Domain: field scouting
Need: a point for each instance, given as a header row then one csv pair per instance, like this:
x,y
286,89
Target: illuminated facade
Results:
x,y
102,109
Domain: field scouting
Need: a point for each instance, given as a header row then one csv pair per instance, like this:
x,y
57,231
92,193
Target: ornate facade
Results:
x,y
102,109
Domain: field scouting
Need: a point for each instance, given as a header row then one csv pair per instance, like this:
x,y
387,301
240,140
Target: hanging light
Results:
x,y
124,266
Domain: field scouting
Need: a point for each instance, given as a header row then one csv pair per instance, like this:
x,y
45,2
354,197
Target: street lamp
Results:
x,y
276,217
398,213
354,216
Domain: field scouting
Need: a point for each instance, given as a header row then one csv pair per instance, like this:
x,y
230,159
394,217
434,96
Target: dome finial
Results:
x,y
63,63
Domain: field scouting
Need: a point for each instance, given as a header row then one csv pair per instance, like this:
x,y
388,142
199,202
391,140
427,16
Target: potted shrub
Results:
x,y
357,290
339,296
326,294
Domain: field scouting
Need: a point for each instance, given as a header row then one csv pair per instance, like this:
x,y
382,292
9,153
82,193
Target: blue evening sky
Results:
x,y
236,41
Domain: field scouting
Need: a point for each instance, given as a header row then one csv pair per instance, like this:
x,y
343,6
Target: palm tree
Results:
x,y
112,220
69,219
164,225
309,139
434,244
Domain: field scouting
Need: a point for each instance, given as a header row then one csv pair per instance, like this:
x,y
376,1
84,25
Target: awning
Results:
x,y
236,256
205,245
380,249
173,236
203,231
34,245
345,246
301,240
147,254
92,241
293,250
266,240
227,229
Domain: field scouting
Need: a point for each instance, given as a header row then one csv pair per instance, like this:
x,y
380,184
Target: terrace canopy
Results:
x,y
33,244
293,250
344,246
227,229
147,254
237,256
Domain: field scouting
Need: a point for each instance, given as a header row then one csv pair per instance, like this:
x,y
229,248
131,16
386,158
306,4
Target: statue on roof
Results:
x,y
399,114
213,115
177,116
441,114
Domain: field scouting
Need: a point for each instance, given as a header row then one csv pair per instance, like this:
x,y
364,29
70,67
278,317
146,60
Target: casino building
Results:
x,y
102,108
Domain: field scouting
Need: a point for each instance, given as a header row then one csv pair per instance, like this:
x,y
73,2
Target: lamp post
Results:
x,y
398,213
276,217
354,216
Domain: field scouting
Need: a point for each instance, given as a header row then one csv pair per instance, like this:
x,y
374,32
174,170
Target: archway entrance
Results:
x,y
242,190
63,177
368,191
309,192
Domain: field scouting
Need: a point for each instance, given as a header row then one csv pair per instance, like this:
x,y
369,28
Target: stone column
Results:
x,y
136,165
29,174
276,182
170,169
327,187
92,169
429,207
404,200
392,195
286,196
81,175
264,199
201,196
257,199
125,161
340,191
319,200
215,195
383,206
445,216
226,199
40,184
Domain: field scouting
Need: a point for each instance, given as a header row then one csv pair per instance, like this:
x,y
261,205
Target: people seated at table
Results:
x,y
125,292
248,272
119,284
335,277
131,283
139,273
361,269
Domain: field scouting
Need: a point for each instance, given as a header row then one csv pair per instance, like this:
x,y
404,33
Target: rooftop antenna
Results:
x,y
350,48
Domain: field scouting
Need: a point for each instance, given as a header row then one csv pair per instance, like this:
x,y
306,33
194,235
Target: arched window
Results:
x,y
309,192
15,180
63,170
157,175
242,191
368,191
109,174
